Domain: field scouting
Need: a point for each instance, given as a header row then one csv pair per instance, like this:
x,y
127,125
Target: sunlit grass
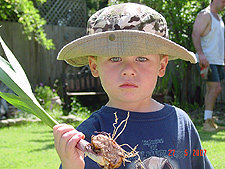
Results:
x,y
214,143
32,146
28,146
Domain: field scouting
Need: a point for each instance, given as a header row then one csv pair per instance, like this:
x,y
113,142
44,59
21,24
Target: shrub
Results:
x,y
44,95
78,110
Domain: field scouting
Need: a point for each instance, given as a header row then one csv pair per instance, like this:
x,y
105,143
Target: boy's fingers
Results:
x,y
66,137
59,130
68,141
74,138
57,126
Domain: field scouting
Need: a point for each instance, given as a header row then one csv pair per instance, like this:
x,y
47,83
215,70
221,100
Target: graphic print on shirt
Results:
x,y
156,158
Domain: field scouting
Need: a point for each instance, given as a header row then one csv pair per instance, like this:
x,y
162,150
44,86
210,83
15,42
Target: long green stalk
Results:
x,y
13,75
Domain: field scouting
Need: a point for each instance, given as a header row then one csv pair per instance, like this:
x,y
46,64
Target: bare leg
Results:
x,y
212,91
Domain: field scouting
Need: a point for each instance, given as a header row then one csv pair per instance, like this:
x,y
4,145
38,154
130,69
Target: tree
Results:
x,y
24,12
95,5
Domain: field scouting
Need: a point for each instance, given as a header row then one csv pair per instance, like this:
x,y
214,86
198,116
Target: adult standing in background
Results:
x,y
208,39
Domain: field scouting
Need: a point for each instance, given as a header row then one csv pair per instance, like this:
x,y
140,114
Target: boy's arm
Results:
x,y
201,28
66,139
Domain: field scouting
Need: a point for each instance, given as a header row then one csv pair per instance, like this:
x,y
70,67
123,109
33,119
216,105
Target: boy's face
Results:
x,y
128,80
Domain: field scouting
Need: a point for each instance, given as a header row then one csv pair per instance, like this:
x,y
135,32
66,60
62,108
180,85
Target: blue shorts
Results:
x,y
217,74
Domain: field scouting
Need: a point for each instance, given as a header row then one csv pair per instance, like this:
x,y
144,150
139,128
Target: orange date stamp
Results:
x,y
195,152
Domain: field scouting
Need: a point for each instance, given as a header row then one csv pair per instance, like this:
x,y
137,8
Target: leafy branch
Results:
x,y
29,17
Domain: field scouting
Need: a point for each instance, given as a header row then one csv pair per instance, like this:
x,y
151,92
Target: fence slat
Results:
x,y
40,64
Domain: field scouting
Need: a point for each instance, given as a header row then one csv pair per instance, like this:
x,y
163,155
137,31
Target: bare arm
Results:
x,y
224,53
201,28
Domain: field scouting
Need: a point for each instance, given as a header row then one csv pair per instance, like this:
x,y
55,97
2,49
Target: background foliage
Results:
x,y
26,14
180,16
44,95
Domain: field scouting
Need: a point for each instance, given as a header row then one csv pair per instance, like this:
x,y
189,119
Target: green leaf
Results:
x,y
13,75
5,62
8,76
16,101
15,64
27,105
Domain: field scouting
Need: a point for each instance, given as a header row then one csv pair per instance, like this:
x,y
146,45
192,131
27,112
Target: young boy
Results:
x,y
127,47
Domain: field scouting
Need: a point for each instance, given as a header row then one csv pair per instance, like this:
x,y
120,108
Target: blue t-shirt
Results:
x,y
165,135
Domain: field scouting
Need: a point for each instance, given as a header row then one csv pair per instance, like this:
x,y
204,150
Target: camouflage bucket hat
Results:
x,y
127,29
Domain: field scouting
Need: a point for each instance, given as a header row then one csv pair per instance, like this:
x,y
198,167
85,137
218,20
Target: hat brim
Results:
x,y
121,43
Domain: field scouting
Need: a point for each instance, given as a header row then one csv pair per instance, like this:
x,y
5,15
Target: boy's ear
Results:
x,y
93,66
163,64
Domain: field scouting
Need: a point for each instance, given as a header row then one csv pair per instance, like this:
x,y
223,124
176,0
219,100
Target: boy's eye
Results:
x,y
141,59
115,59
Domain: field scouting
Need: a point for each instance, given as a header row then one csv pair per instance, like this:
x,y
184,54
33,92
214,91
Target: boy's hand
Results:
x,y
66,139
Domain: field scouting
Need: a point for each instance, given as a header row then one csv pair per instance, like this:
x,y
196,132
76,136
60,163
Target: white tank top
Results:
x,y
213,43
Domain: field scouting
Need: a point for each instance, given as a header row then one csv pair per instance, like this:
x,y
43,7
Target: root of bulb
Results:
x,y
113,154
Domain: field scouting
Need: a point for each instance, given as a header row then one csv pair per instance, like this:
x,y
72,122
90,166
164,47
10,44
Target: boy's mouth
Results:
x,y
128,85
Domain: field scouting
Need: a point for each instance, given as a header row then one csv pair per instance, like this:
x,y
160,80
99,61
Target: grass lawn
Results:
x,y
214,143
27,146
31,146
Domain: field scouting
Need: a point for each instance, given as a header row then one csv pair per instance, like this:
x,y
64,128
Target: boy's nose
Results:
x,y
128,74
128,70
